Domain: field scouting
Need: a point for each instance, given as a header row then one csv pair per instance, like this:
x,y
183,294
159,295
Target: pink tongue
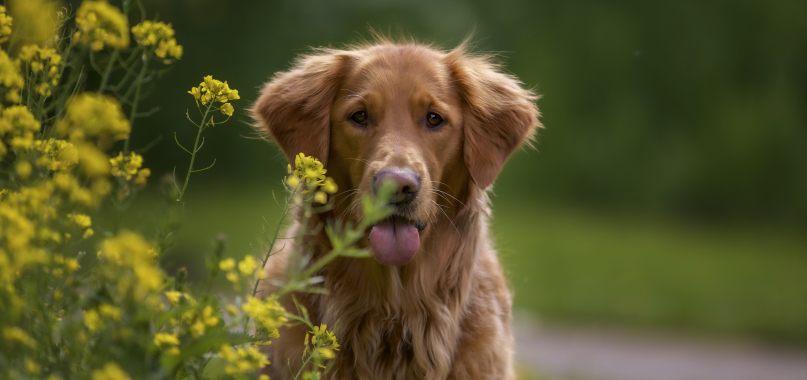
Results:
x,y
394,242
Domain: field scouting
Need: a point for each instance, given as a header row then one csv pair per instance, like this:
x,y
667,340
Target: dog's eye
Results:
x,y
359,117
434,119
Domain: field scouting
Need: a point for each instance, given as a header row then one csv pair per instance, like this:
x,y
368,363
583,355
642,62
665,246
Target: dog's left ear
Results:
x,y
499,114
294,107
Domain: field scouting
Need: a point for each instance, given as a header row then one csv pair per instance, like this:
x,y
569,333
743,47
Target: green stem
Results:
x,y
193,152
271,248
138,85
108,71
274,239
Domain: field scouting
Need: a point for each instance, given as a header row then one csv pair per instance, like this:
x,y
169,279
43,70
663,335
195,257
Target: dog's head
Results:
x,y
434,123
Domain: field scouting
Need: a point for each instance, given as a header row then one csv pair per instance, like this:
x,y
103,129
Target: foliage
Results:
x,y
82,299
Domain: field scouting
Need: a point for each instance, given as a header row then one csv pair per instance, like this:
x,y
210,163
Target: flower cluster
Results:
x,y
149,33
268,314
215,90
129,166
17,129
81,296
310,171
110,371
5,24
42,61
56,154
94,116
246,267
10,78
128,251
320,345
101,24
243,360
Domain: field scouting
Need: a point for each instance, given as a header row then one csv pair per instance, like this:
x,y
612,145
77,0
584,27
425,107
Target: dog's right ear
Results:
x,y
294,107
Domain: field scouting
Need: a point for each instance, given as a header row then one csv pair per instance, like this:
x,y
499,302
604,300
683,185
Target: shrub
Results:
x,y
83,300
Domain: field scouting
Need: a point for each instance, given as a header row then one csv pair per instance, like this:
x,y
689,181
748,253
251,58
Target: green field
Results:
x,y
571,266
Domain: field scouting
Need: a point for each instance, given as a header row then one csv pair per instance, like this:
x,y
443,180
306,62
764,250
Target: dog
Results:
x,y
432,302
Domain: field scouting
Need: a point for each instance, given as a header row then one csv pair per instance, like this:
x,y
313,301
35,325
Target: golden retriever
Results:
x,y
433,302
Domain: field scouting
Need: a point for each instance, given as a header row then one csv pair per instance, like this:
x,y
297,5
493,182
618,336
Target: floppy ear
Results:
x,y
499,114
294,106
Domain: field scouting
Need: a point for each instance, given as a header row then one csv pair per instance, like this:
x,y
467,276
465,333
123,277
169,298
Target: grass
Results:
x,y
570,266
567,265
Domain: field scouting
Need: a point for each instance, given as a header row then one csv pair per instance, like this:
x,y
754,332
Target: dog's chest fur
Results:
x,y
448,319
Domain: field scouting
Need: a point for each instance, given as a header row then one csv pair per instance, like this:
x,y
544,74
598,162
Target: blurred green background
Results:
x,y
668,190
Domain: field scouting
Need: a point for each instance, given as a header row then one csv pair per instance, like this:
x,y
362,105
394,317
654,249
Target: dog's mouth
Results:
x,y
395,240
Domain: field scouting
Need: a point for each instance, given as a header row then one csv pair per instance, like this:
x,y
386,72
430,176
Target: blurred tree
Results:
x,y
680,108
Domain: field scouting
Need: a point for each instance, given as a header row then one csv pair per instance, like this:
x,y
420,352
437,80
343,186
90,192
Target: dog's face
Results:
x,y
430,122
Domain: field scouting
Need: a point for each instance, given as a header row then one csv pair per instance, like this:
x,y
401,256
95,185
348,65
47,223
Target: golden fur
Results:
x,y
445,314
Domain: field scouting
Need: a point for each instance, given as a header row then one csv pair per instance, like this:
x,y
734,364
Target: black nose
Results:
x,y
406,180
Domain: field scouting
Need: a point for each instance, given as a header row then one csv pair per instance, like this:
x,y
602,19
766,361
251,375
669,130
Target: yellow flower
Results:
x,y
126,166
94,116
101,24
242,360
111,371
268,314
173,297
110,311
149,33
324,338
309,169
93,162
293,181
13,334
24,169
197,329
142,176
37,21
5,24
329,186
326,352
81,220
227,109
92,320
11,78
196,92
248,265
320,197
56,154
263,377
129,251
213,89
208,318
18,125
227,264
40,59
31,367
71,264
88,233
164,340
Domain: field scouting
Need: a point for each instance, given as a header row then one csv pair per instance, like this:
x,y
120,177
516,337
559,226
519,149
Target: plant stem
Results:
x,y
108,71
138,84
274,239
193,152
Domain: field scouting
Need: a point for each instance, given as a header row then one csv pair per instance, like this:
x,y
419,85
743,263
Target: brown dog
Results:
x,y
433,303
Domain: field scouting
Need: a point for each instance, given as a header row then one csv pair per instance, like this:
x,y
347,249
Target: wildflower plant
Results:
x,y
85,299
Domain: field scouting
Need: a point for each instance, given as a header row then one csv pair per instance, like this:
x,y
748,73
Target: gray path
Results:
x,y
595,354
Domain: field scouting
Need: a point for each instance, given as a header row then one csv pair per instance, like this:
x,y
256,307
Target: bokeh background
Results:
x,y
668,191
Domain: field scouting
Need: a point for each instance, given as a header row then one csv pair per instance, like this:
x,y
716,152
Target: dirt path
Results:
x,y
594,355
